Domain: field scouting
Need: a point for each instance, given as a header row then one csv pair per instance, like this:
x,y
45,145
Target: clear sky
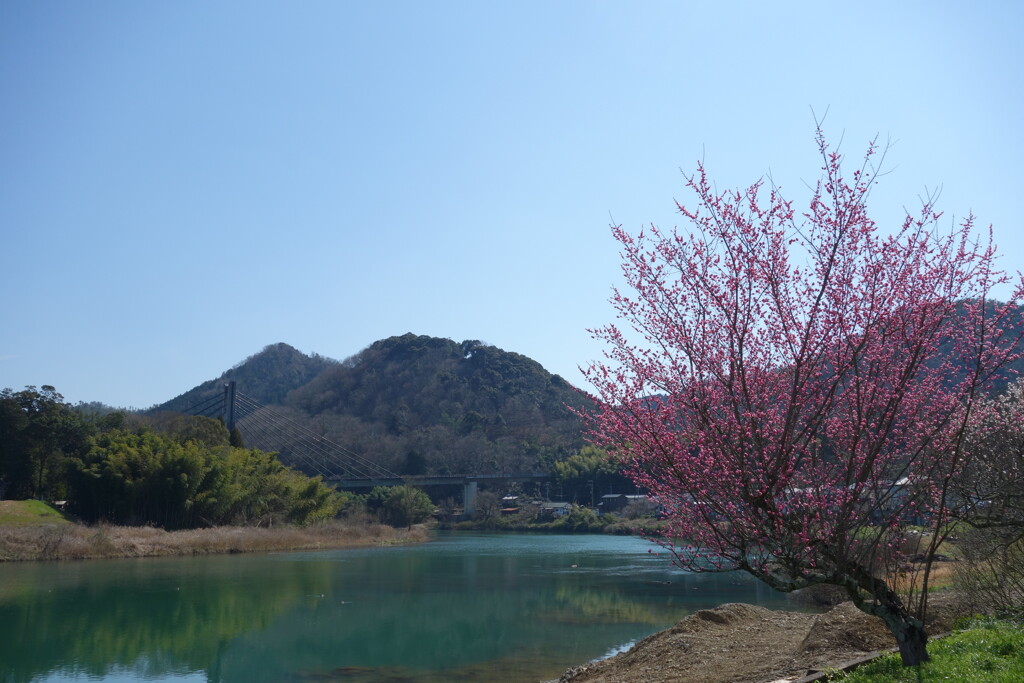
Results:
x,y
183,183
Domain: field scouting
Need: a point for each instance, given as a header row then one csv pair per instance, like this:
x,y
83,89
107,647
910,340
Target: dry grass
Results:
x,y
942,574
77,542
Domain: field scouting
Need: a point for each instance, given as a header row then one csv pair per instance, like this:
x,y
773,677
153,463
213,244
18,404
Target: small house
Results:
x,y
549,510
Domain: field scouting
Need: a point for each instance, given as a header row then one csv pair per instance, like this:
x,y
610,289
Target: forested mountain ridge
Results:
x,y
417,404
423,404
267,376
411,382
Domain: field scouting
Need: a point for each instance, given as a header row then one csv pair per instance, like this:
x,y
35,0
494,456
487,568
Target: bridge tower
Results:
x,y
229,405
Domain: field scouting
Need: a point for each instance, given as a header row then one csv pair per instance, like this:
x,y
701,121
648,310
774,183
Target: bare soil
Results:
x,y
738,643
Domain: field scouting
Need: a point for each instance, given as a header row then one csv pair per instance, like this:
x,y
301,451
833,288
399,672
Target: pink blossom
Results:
x,y
801,381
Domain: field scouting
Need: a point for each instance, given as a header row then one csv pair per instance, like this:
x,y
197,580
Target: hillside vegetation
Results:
x,y
124,469
415,404
426,405
267,376
412,404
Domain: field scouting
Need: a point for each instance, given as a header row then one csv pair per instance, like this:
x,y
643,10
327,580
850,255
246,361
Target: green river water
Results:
x,y
464,607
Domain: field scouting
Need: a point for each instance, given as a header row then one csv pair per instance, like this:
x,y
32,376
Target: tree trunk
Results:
x,y
886,604
913,643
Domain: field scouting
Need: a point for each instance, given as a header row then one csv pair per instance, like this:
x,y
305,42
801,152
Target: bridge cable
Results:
x,y
265,431
316,442
269,428
322,446
206,405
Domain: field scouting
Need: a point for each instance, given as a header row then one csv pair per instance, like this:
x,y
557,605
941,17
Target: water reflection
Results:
x,y
151,617
474,608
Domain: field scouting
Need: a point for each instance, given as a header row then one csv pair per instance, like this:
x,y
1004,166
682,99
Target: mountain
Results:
x,y
267,376
424,404
416,404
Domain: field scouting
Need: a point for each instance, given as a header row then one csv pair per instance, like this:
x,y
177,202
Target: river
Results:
x,y
464,607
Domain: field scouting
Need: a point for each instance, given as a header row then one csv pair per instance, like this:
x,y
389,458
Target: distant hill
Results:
x,y
428,405
417,404
267,376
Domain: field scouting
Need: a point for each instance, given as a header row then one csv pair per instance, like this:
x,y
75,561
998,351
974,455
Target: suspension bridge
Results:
x,y
269,429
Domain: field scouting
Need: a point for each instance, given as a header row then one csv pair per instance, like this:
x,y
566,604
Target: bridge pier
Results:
x,y
469,489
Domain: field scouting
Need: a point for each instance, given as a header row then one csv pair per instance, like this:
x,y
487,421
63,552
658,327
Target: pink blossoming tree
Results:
x,y
795,387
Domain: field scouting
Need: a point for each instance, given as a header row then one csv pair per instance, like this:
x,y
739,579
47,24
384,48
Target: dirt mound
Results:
x,y
724,615
847,628
733,642
737,643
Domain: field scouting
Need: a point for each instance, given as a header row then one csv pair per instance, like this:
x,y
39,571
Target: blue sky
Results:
x,y
183,183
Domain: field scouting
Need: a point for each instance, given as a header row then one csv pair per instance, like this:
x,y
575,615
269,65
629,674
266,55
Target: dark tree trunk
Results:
x,y
872,596
886,604
913,645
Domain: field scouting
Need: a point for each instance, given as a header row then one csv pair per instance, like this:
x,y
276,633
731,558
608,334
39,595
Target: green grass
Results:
x,y
987,651
28,513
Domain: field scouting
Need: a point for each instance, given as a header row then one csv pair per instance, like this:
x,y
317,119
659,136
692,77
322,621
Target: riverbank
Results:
x,y
739,643
54,538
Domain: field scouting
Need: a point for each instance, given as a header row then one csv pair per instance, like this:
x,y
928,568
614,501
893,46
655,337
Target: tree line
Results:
x,y
177,471
172,471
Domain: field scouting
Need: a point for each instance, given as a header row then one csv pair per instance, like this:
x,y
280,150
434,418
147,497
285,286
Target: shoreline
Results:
x,y
70,541
737,642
